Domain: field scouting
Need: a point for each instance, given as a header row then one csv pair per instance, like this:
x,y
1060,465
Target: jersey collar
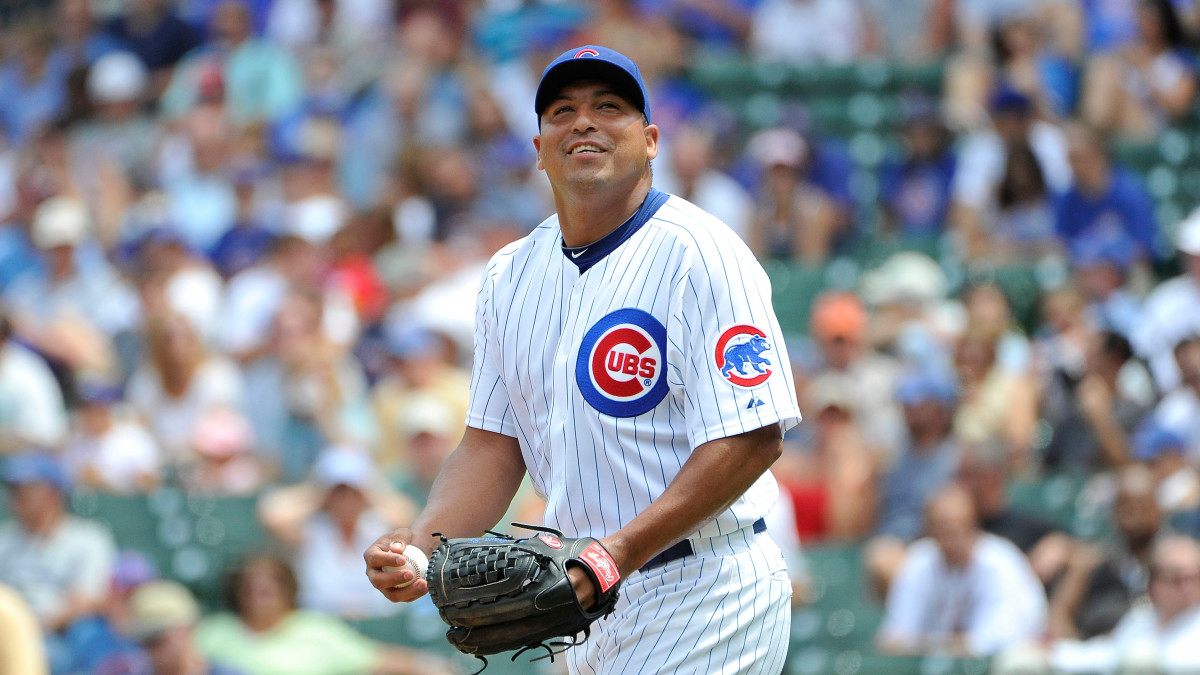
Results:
x,y
586,256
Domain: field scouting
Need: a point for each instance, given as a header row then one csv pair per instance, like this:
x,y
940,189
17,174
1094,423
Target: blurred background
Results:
x,y
240,242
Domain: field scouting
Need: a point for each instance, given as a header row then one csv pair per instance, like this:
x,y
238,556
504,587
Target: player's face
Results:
x,y
592,137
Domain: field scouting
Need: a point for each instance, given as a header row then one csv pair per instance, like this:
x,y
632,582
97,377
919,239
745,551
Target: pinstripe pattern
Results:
x,y
696,279
715,613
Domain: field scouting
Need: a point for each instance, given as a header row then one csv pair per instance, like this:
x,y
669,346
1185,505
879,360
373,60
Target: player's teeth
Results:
x,y
585,148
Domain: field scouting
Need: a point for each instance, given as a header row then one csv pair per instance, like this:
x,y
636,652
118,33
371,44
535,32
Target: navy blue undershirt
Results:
x,y
586,256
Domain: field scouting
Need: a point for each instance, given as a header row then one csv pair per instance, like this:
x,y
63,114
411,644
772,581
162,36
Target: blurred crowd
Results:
x,y
240,242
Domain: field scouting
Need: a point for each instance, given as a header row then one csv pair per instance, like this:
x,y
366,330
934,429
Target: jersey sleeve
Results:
x,y
489,407
732,362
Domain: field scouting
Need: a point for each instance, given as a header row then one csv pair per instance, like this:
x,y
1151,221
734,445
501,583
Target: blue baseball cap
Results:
x,y
1152,440
36,467
592,62
920,386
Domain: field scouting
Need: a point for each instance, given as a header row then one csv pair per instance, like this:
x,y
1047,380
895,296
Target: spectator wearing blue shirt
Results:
x,y
1105,200
917,185
152,30
33,85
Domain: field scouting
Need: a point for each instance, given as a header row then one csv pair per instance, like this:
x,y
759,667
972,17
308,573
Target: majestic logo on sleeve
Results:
x,y
739,356
621,365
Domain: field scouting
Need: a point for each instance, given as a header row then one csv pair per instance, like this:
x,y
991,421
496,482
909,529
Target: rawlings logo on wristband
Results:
x,y
602,564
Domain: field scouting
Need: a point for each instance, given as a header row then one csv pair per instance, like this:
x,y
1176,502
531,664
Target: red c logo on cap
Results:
x,y
586,52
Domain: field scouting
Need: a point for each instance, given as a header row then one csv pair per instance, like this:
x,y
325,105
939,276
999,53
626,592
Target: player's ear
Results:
x,y
651,133
537,147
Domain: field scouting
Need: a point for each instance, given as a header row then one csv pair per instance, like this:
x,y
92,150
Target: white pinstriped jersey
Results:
x,y
610,363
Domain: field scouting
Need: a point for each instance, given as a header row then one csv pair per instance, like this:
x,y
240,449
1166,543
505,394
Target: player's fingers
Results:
x,y
407,594
385,552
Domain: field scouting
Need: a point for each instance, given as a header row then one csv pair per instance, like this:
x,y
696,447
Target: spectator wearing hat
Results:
x,y
916,185
1105,199
841,343
911,315
830,478
1100,266
224,461
1166,453
927,462
326,521
118,137
162,619
961,590
1171,312
1090,410
1179,410
72,312
40,555
153,31
984,155
32,411
797,219
110,449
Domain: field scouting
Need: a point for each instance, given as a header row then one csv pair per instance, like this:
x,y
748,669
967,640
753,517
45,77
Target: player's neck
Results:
x,y
586,216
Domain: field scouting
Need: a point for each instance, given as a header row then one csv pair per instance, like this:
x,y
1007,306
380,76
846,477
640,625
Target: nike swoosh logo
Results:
x,y
576,254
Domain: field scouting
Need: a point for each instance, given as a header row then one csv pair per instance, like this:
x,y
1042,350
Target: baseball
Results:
x,y
414,560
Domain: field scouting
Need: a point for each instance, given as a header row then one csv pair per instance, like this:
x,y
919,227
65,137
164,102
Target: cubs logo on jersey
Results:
x,y
739,356
621,365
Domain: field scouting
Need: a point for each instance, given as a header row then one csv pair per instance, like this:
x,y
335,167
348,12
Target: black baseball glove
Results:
x,y
499,593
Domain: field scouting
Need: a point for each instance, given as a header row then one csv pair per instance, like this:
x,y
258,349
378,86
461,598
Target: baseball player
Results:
x,y
628,358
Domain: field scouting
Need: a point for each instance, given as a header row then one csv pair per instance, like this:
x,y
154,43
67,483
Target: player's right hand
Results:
x,y
386,552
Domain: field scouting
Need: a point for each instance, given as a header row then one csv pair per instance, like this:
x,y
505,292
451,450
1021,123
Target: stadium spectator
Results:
x,y
841,332
807,32
261,81
983,471
693,175
1150,82
799,217
996,403
118,136
1102,582
911,315
153,30
178,382
307,392
33,85
162,619
1105,199
1100,268
1158,636
1090,411
983,156
81,42
831,479
32,412
72,312
1171,311
1165,452
1179,410
267,634
22,650
110,449
927,463
327,521
223,460
1023,226
916,186
39,557
961,590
